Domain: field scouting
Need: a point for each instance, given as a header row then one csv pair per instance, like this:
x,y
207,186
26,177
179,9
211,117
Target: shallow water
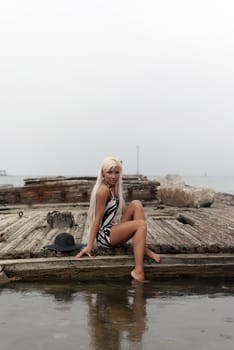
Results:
x,y
168,315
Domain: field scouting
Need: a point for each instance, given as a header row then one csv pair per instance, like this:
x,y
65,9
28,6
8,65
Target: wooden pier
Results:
x,y
192,242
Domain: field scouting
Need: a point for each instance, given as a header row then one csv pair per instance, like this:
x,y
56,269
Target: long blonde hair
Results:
x,y
107,164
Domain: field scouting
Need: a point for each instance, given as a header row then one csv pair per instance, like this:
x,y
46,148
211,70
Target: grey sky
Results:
x,y
80,80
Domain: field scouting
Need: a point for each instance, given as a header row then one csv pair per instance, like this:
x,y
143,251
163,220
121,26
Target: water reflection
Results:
x,y
116,316
115,312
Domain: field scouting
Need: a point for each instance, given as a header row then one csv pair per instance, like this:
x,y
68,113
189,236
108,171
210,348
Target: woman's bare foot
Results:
x,y
138,277
152,254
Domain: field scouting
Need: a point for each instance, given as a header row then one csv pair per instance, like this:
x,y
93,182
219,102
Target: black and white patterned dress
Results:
x,y
103,234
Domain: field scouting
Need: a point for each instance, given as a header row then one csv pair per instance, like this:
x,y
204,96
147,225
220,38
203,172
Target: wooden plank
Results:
x,y
26,236
8,224
157,232
224,217
213,234
23,232
184,234
102,268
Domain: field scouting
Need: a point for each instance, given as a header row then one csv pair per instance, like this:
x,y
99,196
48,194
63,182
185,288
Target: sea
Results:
x,y
160,315
164,314
224,184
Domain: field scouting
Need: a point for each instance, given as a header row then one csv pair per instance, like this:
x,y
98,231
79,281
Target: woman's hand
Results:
x,y
85,250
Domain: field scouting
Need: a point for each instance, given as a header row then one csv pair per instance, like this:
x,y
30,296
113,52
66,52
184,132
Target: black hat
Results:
x,y
64,242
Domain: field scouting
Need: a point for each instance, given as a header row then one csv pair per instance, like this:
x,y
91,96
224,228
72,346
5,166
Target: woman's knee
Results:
x,y
136,204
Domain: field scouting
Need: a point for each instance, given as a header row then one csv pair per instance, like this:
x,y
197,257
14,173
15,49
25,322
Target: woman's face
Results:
x,y
112,175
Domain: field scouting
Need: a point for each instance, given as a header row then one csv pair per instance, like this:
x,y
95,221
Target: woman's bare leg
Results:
x,y
138,243
152,254
135,211
135,229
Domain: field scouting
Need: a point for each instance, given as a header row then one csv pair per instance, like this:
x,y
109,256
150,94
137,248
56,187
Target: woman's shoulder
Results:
x,y
103,192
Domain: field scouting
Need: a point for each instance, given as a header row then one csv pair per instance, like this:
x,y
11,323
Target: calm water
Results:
x,y
12,180
164,316
223,184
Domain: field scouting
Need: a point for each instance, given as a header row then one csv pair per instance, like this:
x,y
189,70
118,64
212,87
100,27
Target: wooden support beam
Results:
x,y
118,267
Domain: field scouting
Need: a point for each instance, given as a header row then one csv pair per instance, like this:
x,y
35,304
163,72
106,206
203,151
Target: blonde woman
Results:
x,y
111,223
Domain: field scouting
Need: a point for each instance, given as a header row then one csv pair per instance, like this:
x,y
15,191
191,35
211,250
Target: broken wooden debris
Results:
x,y
73,190
60,219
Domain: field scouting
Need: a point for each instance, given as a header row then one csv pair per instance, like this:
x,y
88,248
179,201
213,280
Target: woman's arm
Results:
x,y
101,199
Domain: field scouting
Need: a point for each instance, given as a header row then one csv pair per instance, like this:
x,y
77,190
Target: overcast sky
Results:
x,y
81,80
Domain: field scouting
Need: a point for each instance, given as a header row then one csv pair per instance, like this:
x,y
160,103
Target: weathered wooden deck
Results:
x,y
192,242
24,230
